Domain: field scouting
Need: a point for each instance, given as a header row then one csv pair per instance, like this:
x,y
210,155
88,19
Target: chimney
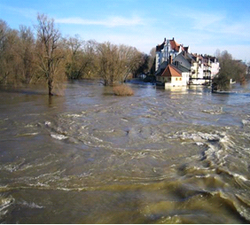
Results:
x,y
185,53
170,61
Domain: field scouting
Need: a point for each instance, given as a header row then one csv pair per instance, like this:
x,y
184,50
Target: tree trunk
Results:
x,y
50,86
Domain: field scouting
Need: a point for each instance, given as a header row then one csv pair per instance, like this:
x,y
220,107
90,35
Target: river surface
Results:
x,y
160,156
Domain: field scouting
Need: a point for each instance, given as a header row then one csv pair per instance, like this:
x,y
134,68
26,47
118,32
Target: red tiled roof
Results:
x,y
171,71
174,45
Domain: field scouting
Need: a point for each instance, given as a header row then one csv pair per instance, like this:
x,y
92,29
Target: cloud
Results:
x,y
204,21
25,12
218,23
115,21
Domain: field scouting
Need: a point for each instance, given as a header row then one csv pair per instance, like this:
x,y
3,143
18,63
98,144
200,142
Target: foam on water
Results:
x,y
5,203
58,136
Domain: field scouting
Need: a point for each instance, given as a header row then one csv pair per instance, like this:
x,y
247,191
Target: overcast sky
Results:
x,y
205,26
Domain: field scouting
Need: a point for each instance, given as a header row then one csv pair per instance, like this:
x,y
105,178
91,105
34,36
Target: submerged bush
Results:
x,y
123,90
221,82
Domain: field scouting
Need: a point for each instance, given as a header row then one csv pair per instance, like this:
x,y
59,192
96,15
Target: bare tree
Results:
x,y
80,58
151,61
89,61
3,51
8,59
73,46
109,63
116,63
25,50
136,62
131,59
50,56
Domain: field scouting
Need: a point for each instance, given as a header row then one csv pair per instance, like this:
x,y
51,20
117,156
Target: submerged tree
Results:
x,y
4,46
117,62
80,58
26,50
109,63
8,56
229,69
49,54
135,62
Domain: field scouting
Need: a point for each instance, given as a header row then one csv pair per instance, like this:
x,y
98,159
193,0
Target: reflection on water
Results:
x,y
160,156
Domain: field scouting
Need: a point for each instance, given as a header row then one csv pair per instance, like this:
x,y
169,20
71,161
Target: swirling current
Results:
x,y
160,156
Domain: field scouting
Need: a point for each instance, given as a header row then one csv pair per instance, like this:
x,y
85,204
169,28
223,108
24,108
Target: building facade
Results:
x,y
203,69
165,50
196,69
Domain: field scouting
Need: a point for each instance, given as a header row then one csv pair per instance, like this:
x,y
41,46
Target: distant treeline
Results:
x,y
41,54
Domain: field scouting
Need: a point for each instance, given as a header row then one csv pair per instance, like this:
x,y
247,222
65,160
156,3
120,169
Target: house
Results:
x,y
194,69
203,69
171,76
183,60
173,63
166,49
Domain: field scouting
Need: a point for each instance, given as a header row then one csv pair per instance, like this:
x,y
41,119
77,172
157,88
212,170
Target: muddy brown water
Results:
x,y
160,156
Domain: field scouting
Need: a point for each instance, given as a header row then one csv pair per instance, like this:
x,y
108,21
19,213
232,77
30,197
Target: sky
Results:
x,y
204,26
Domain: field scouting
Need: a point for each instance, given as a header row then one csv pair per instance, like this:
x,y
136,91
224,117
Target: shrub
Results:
x,y
221,82
123,90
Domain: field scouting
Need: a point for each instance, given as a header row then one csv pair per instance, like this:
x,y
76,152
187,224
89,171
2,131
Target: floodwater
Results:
x,y
160,156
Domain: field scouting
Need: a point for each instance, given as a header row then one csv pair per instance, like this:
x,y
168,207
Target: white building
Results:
x,y
165,50
193,68
203,69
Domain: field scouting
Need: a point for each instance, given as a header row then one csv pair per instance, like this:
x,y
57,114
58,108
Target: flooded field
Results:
x,y
160,156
